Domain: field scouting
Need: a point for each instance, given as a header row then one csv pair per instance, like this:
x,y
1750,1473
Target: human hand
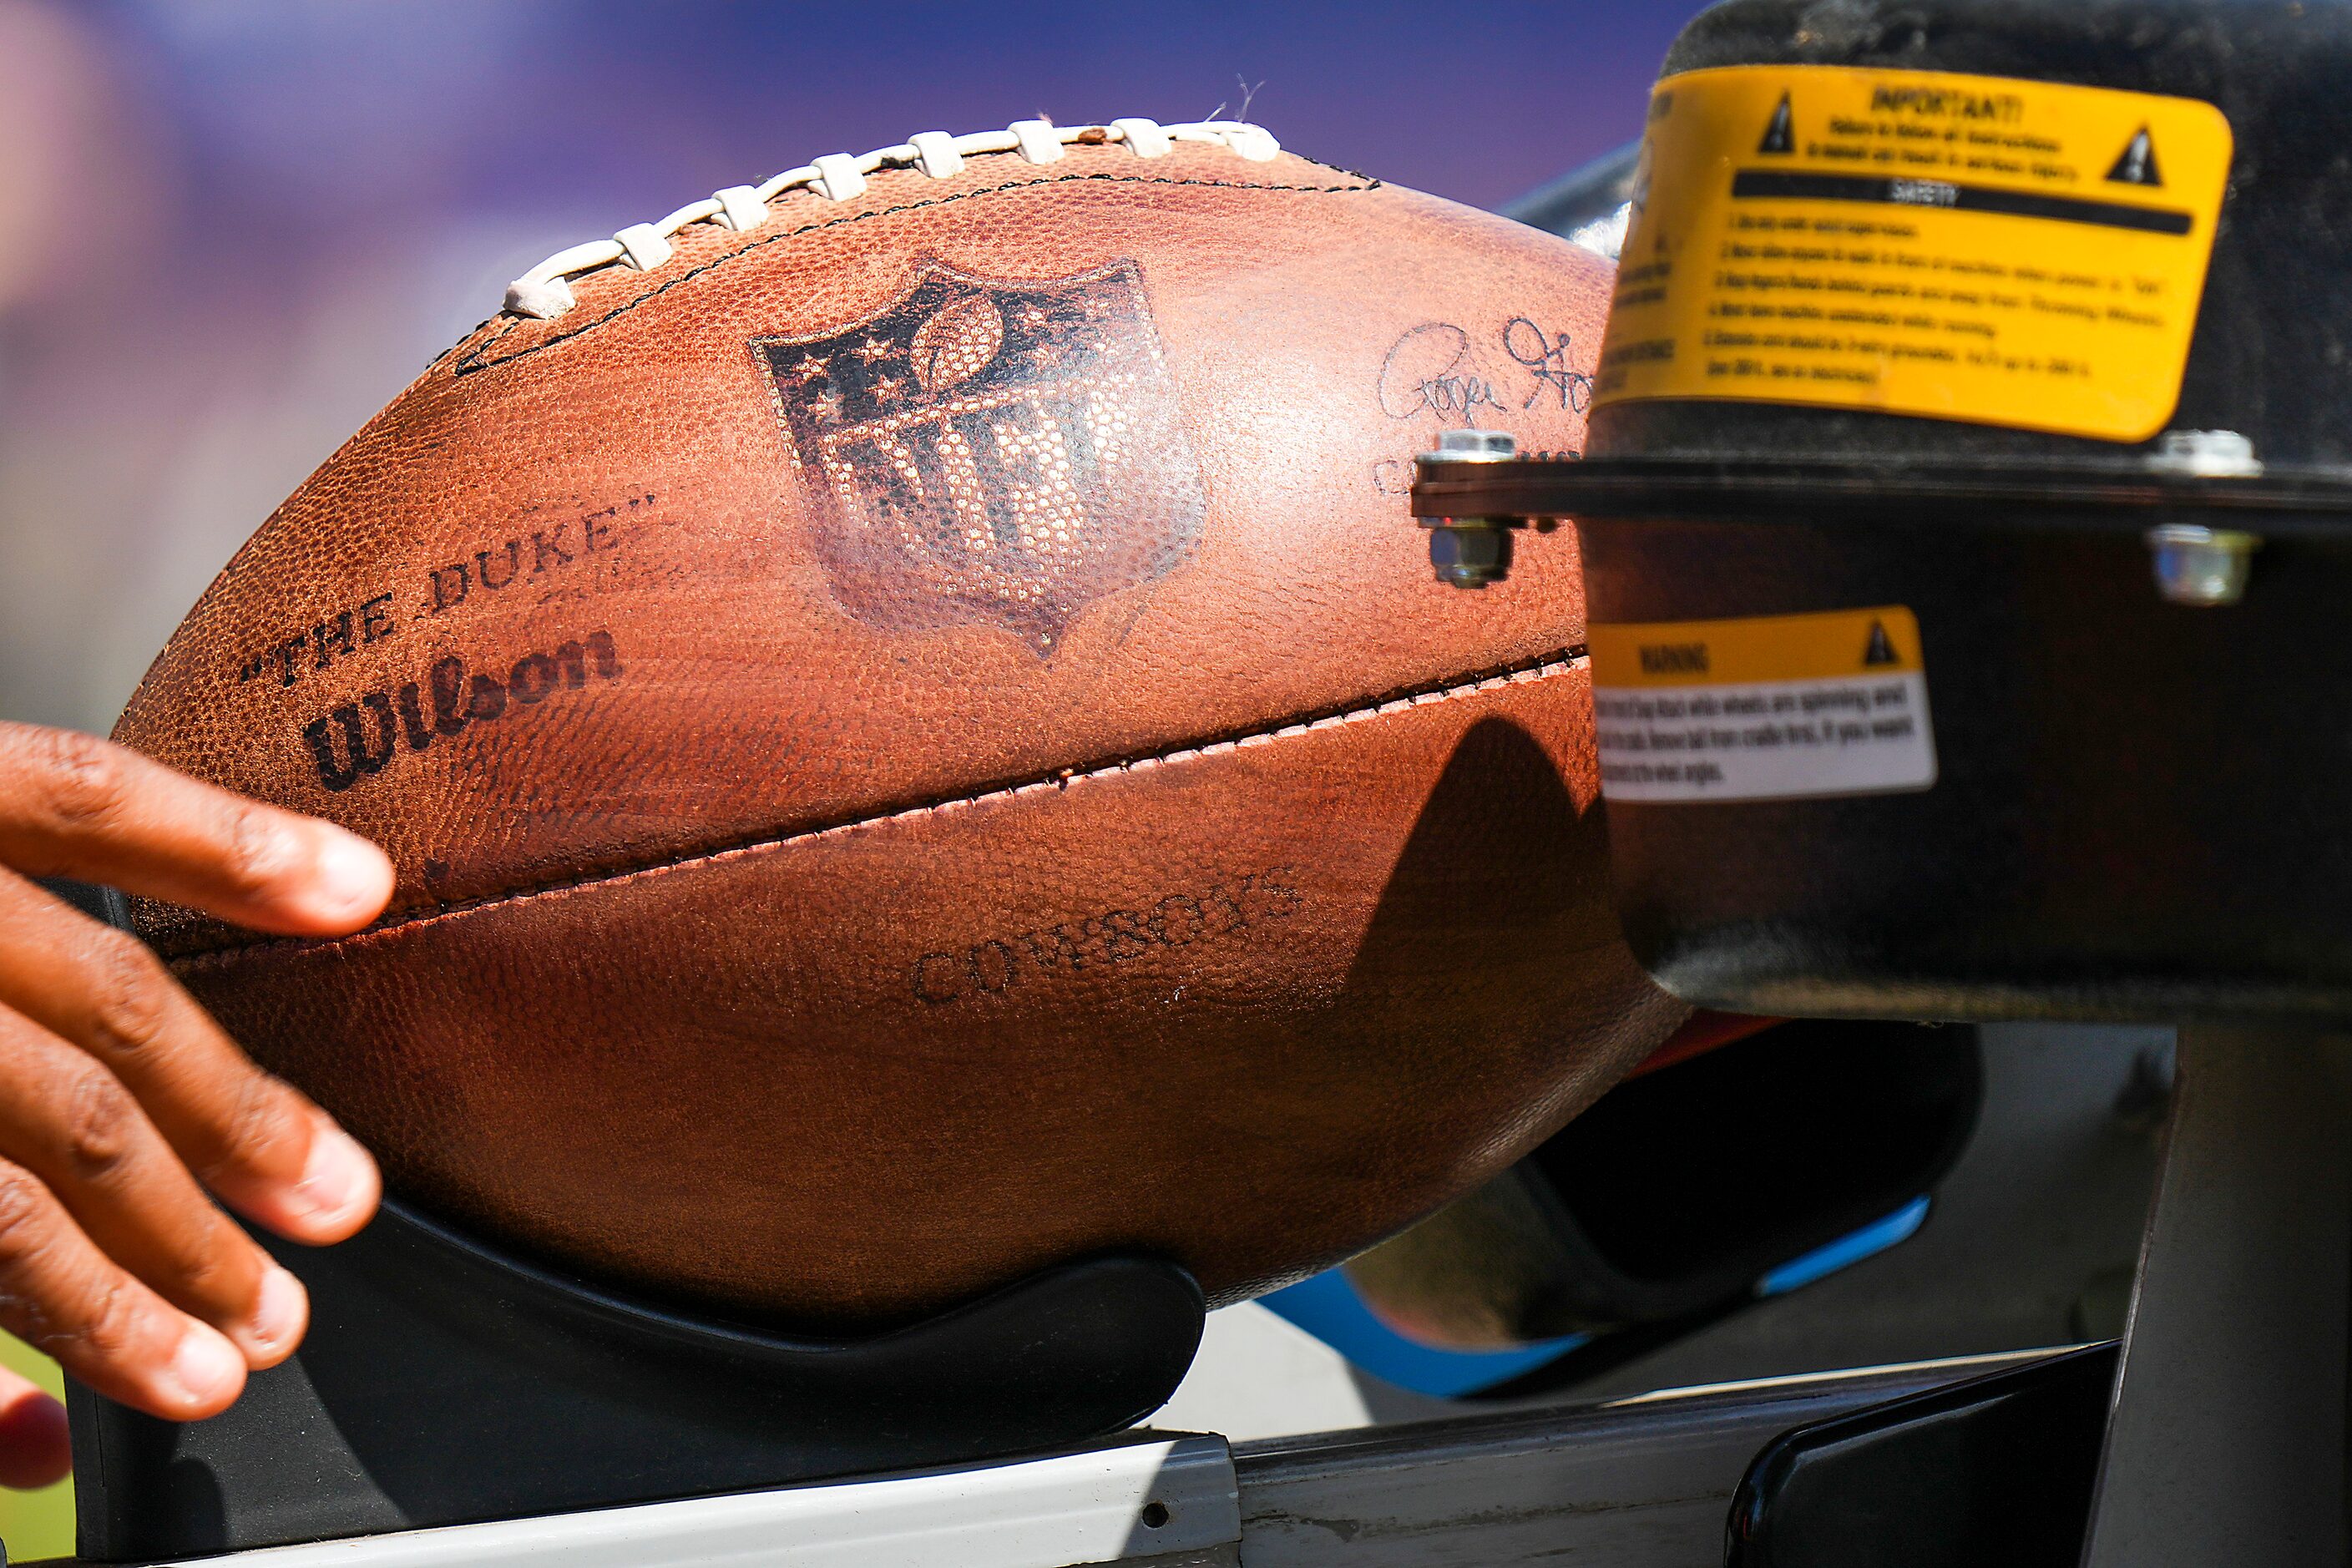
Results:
x,y
122,1101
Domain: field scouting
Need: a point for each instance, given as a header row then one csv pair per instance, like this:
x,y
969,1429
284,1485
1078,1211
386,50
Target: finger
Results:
x,y
74,806
72,1124
35,1449
252,1137
63,1297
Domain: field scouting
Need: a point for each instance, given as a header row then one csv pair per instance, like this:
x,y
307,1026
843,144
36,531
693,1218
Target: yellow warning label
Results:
x,y
1884,641
1767,708
1970,247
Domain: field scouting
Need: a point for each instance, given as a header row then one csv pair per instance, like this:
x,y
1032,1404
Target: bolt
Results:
x,y
1471,551
2206,455
2203,566
1476,445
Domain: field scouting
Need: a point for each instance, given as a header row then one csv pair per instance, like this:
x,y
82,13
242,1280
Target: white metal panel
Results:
x,y
1093,1507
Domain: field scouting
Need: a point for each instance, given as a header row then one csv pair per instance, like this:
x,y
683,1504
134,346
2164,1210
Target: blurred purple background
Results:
x,y
232,230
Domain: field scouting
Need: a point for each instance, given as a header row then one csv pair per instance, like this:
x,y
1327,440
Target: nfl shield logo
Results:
x,y
988,450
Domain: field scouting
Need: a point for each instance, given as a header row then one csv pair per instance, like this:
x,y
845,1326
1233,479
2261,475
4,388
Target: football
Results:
x,y
920,743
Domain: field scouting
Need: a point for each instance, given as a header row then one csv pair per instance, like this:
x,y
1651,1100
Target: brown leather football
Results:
x,y
920,742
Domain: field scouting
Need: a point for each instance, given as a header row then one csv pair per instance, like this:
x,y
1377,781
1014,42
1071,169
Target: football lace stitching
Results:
x,y
1545,666
545,292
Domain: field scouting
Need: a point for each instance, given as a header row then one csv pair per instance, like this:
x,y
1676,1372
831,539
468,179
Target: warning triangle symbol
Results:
x,y
1881,648
1777,135
2137,165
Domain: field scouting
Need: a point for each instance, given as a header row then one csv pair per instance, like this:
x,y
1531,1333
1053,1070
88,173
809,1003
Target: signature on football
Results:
x,y
1437,368
1545,355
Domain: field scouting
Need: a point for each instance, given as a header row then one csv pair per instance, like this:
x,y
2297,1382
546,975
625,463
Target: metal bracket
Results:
x,y
2227,1440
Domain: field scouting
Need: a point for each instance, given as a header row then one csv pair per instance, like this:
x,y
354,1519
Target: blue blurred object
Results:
x,y
1846,1251
1329,1307
1706,1182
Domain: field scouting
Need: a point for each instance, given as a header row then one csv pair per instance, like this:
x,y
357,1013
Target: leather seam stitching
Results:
x,y
468,364
1557,662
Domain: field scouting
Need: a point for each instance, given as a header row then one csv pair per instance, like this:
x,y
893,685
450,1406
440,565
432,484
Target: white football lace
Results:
x,y
545,290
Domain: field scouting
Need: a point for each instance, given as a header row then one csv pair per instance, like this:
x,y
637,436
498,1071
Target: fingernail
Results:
x,y
338,1178
351,877
282,1314
204,1367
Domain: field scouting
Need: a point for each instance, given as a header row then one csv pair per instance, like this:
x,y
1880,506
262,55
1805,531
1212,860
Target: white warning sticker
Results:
x,y
1768,708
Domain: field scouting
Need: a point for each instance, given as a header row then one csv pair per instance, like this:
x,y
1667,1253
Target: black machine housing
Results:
x,y
2091,846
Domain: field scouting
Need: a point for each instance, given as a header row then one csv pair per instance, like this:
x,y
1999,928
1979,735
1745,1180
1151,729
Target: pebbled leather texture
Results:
x,y
919,743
